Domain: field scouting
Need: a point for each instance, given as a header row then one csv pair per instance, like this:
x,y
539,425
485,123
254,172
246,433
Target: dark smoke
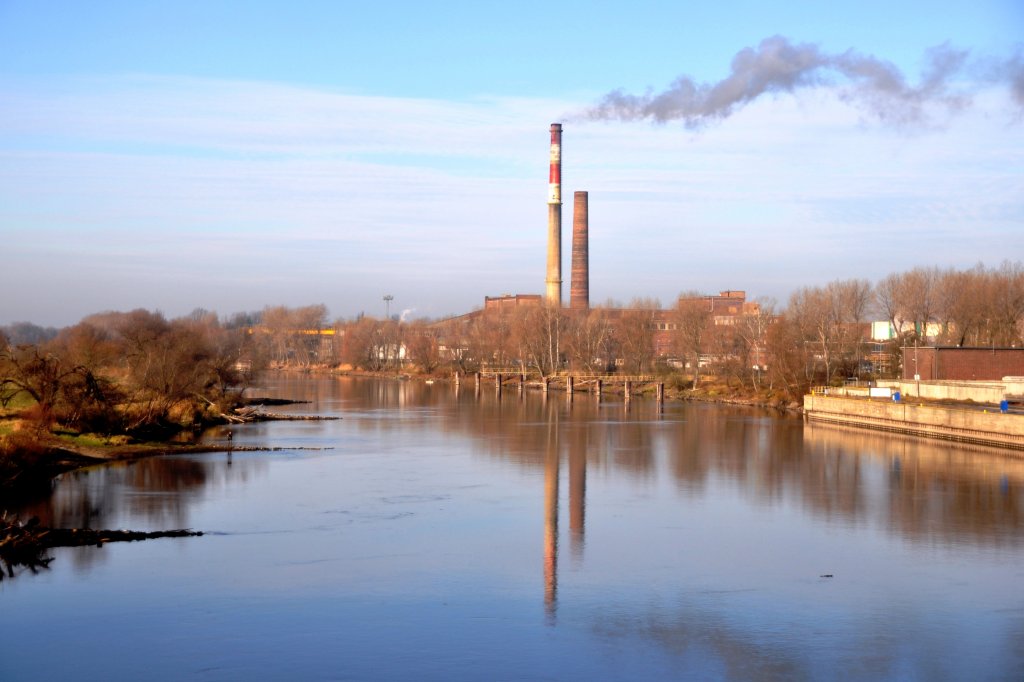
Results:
x,y
778,66
1013,71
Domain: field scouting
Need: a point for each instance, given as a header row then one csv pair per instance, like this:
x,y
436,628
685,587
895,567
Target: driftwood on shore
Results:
x,y
255,413
25,544
261,448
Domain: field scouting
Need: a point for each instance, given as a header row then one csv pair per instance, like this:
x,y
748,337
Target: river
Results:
x,y
435,534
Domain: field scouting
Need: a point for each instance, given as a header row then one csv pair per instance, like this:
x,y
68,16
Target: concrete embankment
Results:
x,y
933,421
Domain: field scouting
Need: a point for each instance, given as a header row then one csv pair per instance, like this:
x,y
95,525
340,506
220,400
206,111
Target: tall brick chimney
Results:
x,y
579,290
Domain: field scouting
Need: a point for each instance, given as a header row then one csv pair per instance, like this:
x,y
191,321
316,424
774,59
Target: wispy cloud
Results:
x,y
178,192
239,118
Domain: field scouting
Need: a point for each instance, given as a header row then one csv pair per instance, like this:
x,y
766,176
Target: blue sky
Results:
x,y
231,155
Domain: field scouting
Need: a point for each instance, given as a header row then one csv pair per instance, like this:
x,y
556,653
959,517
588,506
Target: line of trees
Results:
x,y
975,307
124,372
821,336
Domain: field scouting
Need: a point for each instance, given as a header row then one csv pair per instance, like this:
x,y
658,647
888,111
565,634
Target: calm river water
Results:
x,y
435,535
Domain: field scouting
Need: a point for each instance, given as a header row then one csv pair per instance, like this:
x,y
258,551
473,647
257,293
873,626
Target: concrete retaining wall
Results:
x,y
971,426
980,392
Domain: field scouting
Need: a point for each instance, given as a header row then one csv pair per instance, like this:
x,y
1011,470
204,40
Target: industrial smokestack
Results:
x,y
579,289
553,294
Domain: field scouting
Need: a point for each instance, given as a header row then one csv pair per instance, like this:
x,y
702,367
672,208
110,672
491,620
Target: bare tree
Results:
x,y
423,347
40,374
292,335
963,304
829,320
753,330
635,332
851,300
910,301
391,343
539,331
1006,296
787,352
589,342
362,344
692,321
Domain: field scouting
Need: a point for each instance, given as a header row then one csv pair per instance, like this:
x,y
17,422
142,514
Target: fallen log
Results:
x,y
81,537
25,544
274,401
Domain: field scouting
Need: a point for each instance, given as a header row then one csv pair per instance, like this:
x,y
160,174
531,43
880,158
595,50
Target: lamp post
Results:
x,y
388,298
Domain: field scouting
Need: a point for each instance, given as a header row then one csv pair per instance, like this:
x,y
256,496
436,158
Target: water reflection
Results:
x,y
551,471
684,543
148,494
578,447
932,490
945,488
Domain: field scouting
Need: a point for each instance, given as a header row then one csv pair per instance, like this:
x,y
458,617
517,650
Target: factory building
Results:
x,y
511,302
953,363
725,308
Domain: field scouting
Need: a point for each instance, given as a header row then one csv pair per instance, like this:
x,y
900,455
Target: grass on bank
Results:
x,y
91,440
16,405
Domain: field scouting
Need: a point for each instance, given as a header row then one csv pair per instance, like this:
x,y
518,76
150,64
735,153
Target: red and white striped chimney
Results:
x,y
553,294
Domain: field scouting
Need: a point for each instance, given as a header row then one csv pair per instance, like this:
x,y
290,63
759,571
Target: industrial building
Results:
x,y
953,363
725,308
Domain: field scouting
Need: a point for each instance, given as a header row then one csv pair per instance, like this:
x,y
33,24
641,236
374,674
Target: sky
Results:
x,y
234,155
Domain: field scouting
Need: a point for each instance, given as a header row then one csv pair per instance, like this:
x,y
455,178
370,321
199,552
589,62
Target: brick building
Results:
x,y
952,363
725,309
511,301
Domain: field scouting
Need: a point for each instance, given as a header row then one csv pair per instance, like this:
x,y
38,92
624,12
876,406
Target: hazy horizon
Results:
x,y
241,155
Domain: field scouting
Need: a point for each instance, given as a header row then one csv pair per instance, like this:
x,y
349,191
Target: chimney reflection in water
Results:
x,y
577,491
577,505
551,520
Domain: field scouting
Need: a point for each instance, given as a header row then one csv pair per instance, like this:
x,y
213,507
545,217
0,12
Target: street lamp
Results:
x,y
388,298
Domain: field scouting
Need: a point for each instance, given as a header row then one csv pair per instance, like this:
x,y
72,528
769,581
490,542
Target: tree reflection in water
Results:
x,y
157,490
697,536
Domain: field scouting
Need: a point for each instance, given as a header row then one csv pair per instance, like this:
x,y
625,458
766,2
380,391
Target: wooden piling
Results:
x,y
661,396
569,387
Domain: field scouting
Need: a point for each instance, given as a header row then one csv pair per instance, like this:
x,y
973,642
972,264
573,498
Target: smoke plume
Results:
x,y
1013,72
779,66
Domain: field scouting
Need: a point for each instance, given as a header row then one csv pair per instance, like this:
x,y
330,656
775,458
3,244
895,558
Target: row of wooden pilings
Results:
x,y
597,385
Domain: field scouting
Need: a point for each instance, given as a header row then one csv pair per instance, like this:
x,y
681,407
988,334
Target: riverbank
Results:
x,y
947,422
30,461
30,458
